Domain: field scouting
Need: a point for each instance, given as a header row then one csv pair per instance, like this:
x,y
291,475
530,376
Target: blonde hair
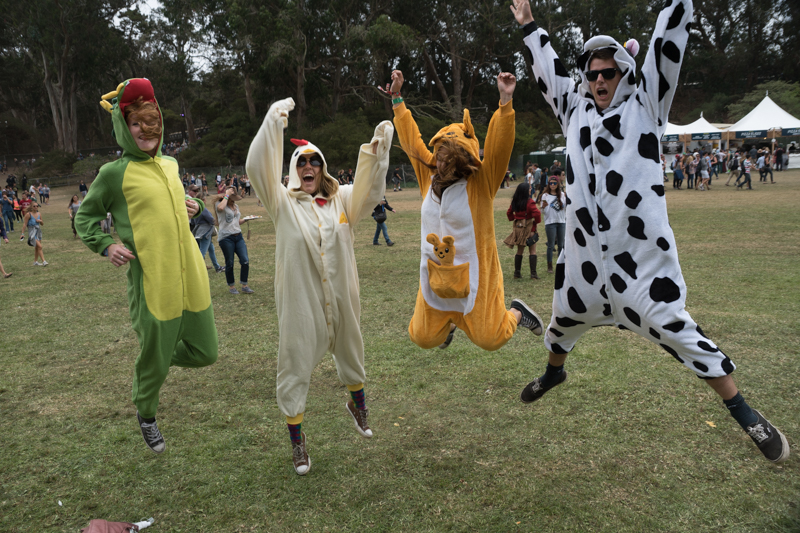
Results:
x,y
148,116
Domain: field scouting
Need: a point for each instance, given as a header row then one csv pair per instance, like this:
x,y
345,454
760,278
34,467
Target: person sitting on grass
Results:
x,y
620,264
168,291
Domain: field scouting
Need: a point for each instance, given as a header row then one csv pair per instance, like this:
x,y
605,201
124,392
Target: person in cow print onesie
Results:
x,y
620,263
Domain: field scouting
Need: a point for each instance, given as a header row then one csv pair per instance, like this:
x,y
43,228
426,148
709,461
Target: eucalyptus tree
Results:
x,y
71,47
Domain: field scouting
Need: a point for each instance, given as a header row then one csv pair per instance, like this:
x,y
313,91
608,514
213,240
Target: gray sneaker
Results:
x,y
769,439
247,290
529,319
220,269
233,290
152,436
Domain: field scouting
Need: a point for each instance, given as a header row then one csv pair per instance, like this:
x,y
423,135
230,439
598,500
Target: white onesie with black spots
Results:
x,y
620,265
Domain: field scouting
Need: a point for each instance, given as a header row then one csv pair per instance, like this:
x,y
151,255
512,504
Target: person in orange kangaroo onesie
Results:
x,y
460,282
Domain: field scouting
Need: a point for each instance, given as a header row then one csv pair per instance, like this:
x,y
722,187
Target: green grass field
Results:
x,y
632,442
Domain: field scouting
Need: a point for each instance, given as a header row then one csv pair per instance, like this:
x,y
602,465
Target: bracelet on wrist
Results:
x,y
398,100
226,197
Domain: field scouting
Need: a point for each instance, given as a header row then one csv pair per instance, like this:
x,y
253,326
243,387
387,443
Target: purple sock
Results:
x,y
359,399
295,433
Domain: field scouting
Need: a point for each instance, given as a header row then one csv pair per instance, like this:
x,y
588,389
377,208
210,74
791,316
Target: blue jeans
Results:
x,y
206,245
381,226
8,220
555,234
230,245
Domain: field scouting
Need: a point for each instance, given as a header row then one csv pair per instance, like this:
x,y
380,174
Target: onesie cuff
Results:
x,y
400,109
507,108
529,28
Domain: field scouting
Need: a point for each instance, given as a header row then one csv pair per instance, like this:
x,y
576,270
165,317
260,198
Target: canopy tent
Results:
x,y
767,119
699,130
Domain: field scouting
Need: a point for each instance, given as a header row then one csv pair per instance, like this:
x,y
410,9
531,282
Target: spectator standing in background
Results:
x,y
379,215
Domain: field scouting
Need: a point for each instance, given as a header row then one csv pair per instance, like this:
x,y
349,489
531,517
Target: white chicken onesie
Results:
x,y
316,282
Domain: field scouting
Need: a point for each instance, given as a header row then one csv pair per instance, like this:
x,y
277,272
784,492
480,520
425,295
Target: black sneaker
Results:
x,y
769,439
152,436
534,390
530,319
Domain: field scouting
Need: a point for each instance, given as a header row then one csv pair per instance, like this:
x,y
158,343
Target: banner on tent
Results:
x,y
706,136
670,138
790,132
755,134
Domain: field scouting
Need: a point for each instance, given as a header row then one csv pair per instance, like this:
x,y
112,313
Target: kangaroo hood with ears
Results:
x,y
463,134
305,148
625,62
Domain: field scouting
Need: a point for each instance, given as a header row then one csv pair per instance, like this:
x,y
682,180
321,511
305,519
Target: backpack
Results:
x,y
735,163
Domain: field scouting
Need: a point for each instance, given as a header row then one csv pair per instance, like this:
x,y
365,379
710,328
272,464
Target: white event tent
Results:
x,y
699,130
767,119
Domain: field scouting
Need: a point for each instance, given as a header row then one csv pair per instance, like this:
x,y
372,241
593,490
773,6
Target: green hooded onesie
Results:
x,y
168,290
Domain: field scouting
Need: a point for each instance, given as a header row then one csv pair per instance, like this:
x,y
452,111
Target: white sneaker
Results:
x,y
37,264
45,263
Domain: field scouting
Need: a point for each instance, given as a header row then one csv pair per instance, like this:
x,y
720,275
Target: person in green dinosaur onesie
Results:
x,y
168,291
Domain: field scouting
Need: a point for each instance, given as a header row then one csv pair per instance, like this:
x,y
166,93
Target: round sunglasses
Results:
x,y
314,161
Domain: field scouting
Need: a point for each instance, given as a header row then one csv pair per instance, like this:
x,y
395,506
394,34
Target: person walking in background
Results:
x,y
4,235
74,205
396,179
379,215
203,231
677,172
524,216
83,189
733,166
690,168
747,166
554,203
7,211
231,241
33,223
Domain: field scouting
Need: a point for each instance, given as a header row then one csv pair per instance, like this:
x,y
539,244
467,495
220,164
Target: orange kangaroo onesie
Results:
x,y
469,293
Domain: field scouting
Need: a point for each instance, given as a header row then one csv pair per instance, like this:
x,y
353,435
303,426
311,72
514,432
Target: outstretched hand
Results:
x,y
522,11
506,83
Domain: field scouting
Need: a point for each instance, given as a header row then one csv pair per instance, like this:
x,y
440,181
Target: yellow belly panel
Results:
x,y
175,277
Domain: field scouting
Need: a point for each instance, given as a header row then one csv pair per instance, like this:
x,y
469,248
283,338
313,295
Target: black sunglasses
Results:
x,y
608,74
314,160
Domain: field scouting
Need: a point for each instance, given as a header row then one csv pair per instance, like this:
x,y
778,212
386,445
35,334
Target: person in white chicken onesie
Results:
x,y
316,282
620,266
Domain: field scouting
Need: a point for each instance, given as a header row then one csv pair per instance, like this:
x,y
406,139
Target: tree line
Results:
x,y
220,63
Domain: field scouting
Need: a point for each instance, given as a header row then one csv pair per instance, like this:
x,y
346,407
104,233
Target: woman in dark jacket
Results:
x,y
525,215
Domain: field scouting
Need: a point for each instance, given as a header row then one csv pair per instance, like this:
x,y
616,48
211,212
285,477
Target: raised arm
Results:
x,y
411,139
369,182
663,62
265,158
500,136
557,87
